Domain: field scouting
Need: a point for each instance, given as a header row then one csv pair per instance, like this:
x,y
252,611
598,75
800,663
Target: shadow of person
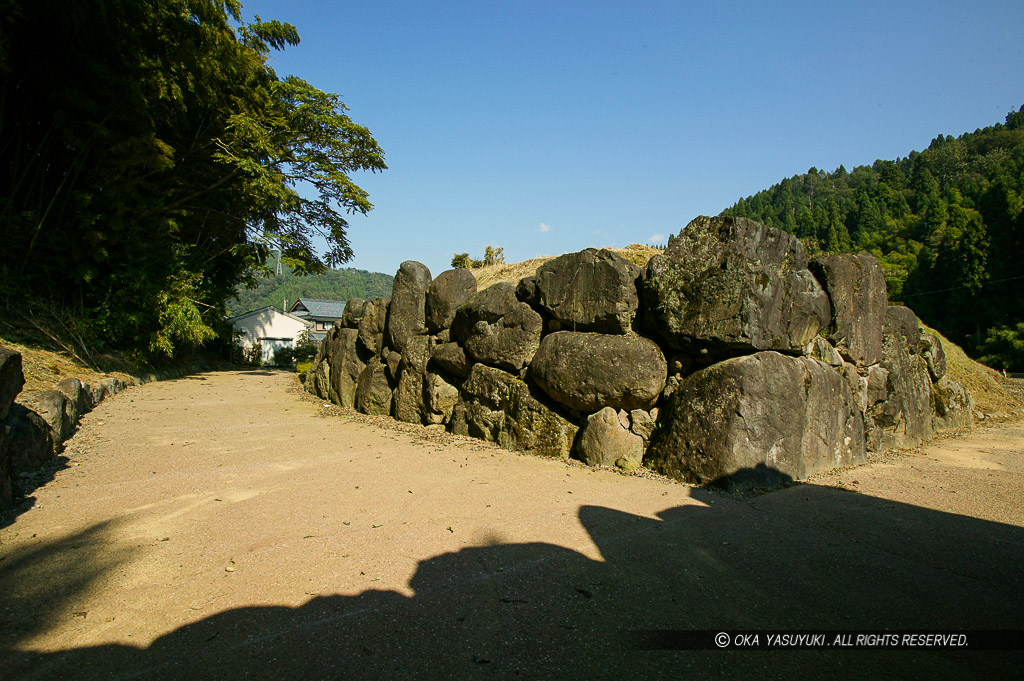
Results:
x,y
805,557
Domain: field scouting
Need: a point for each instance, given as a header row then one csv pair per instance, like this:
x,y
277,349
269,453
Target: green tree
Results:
x,y
152,159
1003,348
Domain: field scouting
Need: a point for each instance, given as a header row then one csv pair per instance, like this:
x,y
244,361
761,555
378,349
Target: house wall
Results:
x,y
269,327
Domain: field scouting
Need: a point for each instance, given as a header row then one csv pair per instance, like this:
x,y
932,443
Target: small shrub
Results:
x,y
284,357
303,368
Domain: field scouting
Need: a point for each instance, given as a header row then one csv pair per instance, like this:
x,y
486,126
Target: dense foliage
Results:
x,y
151,159
334,284
947,223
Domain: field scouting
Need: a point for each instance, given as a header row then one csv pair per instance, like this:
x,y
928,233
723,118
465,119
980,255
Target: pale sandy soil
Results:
x,y
225,526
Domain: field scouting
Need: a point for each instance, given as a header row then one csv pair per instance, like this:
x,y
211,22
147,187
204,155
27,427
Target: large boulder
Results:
x,y
498,407
589,371
353,313
98,392
373,391
758,420
410,401
446,293
858,298
30,441
79,398
55,409
416,355
591,290
452,358
605,441
318,380
12,380
440,398
905,417
496,328
345,365
410,394
371,326
407,316
732,285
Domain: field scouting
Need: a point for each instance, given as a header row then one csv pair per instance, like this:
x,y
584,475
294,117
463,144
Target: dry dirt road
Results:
x,y
223,526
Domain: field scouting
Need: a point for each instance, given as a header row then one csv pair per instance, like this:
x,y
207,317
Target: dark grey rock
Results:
x,y
497,329
954,407
345,365
55,409
12,380
440,399
407,315
905,417
113,385
393,362
934,356
590,371
416,354
452,358
99,392
371,326
821,349
410,394
858,384
30,440
603,441
78,397
857,294
878,385
498,407
446,293
591,290
732,285
758,420
353,313
373,390
318,375
410,398
641,423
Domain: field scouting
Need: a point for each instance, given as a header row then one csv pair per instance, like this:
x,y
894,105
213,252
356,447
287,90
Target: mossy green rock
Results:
x,y
733,285
498,407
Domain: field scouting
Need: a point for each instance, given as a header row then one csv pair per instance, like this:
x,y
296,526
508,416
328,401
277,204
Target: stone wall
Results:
x,y
729,359
35,425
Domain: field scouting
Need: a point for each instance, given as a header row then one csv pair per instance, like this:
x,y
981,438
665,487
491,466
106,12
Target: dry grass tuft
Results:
x,y
638,254
44,368
987,386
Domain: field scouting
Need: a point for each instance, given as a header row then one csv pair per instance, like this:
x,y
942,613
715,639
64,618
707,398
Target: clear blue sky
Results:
x,y
548,127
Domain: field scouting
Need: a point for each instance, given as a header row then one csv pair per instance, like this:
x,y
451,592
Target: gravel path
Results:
x,y
226,526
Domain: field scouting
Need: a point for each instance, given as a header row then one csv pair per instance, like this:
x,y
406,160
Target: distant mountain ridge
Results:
x,y
340,284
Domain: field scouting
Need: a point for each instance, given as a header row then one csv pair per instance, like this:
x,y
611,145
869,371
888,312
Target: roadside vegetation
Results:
x,y
152,161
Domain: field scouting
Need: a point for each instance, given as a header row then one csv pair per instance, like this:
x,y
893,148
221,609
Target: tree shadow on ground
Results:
x,y
805,557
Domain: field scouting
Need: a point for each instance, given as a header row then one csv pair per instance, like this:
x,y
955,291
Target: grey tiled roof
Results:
x,y
321,309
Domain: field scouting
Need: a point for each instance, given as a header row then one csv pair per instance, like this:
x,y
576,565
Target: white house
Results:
x,y
270,326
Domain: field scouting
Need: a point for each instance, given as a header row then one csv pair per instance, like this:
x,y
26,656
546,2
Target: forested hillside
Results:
x,y
151,161
947,223
340,284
